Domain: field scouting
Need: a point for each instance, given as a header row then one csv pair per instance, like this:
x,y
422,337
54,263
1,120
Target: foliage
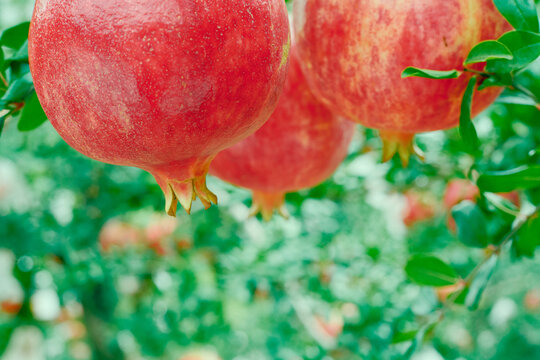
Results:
x,y
341,279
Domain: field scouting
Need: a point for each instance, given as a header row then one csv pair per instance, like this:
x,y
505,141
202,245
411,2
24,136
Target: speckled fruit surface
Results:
x,y
354,51
162,85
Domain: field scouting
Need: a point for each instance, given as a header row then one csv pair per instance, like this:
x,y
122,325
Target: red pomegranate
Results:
x,y
162,85
418,207
301,145
459,190
117,234
353,53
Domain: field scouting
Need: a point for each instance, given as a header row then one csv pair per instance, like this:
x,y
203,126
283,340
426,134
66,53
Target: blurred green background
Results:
x,y
91,268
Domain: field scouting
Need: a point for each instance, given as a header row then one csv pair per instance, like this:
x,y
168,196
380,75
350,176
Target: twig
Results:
x,y
4,81
481,73
518,227
495,251
526,92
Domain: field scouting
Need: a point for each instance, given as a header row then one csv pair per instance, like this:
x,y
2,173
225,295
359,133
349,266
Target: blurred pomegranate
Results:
x,y
459,190
118,234
532,300
301,145
418,207
159,230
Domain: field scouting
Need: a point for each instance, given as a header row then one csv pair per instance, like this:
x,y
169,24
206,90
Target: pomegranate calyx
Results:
x,y
266,203
185,192
401,144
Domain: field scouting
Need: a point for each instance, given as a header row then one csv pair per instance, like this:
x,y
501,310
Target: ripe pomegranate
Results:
x,y
418,207
459,190
301,145
162,85
157,232
116,234
353,53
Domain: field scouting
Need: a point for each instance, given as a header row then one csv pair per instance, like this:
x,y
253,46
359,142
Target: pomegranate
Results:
x,y
117,234
301,145
162,85
459,190
353,53
157,232
418,207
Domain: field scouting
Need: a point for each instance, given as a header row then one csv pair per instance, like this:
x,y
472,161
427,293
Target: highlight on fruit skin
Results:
x,y
353,61
301,145
121,89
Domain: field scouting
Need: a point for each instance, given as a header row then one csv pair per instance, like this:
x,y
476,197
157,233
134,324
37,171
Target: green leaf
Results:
x,y
6,330
528,238
1,58
471,224
21,54
401,337
15,36
504,205
32,115
419,339
521,14
488,50
430,271
430,74
18,90
466,126
495,81
522,178
525,46
462,296
480,282
515,98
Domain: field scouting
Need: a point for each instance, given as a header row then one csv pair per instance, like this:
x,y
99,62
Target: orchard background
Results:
x,y
90,268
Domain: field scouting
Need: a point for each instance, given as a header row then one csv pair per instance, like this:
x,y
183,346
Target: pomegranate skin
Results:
x,y
162,85
354,51
300,146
